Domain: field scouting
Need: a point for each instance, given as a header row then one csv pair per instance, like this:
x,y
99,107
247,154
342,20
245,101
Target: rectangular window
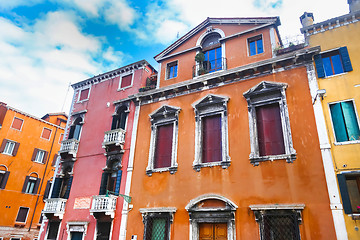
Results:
x,y
17,123
211,139
126,81
39,158
350,192
280,225
103,230
53,230
22,214
61,137
46,133
333,62
255,45
84,94
9,147
345,122
31,185
4,175
172,69
163,149
54,160
157,227
269,129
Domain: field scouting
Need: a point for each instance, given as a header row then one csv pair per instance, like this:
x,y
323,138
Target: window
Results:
x,y
119,119
278,221
84,94
103,230
62,187
53,163
76,230
39,156
110,182
126,81
269,123
333,62
75,128
255,45
17,123
22,214
211,132
9,147
172,70
61,138
47,189
53,229
349,185
163,143
345,122
31,185
46,133
4,176
157,223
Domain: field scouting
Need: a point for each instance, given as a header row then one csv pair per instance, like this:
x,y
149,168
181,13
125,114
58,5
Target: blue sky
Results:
x,y
47,44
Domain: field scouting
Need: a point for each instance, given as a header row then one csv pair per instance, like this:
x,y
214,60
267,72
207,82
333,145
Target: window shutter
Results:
x,y
3,144
163,150
344,194
338,122
118,182
56,189
68,188
115,120
351,123
16,148
36,186
4,180
319,66
54,160
34,154
47,189
25,183
345,58
45,157
211,139
77,131
103,184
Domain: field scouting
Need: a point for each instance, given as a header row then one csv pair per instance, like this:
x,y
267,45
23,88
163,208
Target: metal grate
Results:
x,y
157,227
282,226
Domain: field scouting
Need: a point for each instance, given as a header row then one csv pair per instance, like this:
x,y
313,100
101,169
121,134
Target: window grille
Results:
x,y
157,227
280,226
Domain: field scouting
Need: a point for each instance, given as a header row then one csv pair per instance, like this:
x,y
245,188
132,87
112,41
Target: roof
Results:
x,y
55,114
250,20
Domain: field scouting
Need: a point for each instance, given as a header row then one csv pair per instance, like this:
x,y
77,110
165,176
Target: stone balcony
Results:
x,y
114,137
103,204
55,206
69,147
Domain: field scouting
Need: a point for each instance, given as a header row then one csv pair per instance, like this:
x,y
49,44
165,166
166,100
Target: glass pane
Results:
x,y
338,122
336,61
252,48
327,66
259,44
171,72
218,59
351,122
175,71
158,231
354,194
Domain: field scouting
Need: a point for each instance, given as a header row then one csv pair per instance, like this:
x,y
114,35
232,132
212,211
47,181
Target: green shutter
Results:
x,y
118,182
338,122
158,229
344,194
351,122
319,66
345,58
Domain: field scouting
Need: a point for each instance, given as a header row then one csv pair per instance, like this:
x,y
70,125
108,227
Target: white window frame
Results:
x,y
248,45
76,227
9,147
43,132
61,138
27,214
28,184
163,116
262,94
155,212
124,75
86,99
40,154
208,106
167,69
21,124
332,124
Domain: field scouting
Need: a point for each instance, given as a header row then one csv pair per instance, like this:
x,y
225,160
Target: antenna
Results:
x,y
177,35
62,108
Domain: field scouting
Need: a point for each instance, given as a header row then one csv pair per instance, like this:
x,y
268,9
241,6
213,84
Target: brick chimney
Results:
x,y
354,5
307,19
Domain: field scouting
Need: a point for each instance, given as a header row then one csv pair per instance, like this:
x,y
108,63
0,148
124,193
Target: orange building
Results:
x,y
226,146
28,153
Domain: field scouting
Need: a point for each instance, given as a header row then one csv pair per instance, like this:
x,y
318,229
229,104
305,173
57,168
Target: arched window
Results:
x,y
211,47
75,129
119,119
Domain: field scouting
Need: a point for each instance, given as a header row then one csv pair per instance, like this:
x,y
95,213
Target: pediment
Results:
x,y
210,99
164,111
264,88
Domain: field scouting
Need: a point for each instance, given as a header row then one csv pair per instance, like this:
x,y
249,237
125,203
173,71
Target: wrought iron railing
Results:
x,y
103,203
209,66
116,136
69,145
55,205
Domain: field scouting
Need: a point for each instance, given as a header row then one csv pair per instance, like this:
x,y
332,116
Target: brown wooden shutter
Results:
x,y
3,144
4,180
34,154
47,189
45,157
54,160
16,148
25,184
36,186
211,139
163,149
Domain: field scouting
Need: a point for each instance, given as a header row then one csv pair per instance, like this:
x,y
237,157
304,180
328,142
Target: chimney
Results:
x,y
354,5
307,19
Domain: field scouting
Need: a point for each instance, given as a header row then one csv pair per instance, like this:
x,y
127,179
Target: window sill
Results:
x,y
172,170
20,224
335,75
288,157
346,143
223,164
170,78
85,100
355,216
124,88
8,154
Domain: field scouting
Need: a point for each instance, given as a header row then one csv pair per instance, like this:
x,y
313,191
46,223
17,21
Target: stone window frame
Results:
x,y
132,73
168,66
163,116
211,105
255,38
76,227
79,94
266,93
211,215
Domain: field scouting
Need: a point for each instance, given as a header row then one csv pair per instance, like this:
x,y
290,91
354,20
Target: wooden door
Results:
x,y
212,231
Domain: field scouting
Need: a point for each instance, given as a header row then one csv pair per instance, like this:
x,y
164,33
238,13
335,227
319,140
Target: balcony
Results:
x,y
69,147
209,66
55,206
114,137
103,204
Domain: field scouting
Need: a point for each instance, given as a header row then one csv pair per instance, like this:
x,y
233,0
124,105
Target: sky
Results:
x,y
46,45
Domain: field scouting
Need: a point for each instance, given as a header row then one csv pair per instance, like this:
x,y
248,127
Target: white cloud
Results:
x,y
120,13
10,4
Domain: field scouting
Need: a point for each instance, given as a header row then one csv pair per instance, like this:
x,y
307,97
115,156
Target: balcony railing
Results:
x,y
209,66
116,136
69,146
55,206
104,204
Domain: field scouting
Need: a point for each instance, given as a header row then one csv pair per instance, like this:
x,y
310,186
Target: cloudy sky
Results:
x,y
47,44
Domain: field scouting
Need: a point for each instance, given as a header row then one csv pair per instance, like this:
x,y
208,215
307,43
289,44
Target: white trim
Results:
x,y
70,225
12,150
272,40
2,165
248,45
257,207
209,196
42,158
132,73
79,92
43,132
206,33
167,69
20,126
158,210
27,214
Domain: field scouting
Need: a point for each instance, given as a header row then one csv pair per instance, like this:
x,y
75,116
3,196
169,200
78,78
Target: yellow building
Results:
x,y
336,94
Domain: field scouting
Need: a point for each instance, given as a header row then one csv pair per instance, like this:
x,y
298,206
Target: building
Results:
x,y
28,154
336,82
227,146
94,166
